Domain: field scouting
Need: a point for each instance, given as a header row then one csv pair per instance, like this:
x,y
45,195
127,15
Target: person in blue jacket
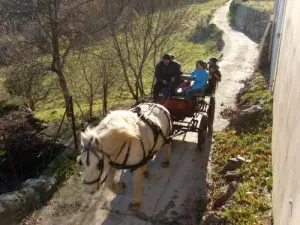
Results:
x,y
201,76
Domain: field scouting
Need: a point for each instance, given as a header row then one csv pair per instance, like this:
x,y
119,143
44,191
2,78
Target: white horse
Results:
x,y
125,140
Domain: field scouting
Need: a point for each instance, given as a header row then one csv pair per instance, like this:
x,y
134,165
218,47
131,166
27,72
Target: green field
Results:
x,y
266,5
194,41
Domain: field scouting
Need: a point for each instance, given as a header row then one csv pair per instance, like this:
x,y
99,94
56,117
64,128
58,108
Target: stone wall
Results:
x,y
250,20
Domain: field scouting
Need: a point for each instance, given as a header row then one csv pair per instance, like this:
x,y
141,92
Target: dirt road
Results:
x,y
169,195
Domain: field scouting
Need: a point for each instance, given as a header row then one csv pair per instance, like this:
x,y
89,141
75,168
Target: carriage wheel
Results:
x,y
202,131
211,112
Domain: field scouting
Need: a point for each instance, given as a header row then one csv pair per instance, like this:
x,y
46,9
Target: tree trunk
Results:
x,y
91,103
30,104
104,100
65,91
57,60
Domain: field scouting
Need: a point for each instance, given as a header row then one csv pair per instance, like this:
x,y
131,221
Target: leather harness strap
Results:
x,y
157,131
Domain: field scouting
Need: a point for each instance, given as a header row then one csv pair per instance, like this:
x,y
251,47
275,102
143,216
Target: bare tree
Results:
x,y
82,72
30,82
92,77
139,33
53,28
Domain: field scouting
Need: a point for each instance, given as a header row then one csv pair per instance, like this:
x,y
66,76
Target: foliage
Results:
x,y
97,53
264,5
29,81
204,33
53,29
64,166
251,204
143,31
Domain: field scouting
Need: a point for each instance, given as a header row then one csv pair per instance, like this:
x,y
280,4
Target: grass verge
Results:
x,y
265,5
251,203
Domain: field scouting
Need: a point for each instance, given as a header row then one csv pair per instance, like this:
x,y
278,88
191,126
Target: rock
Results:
x,y
44,125
243,90
43,186
232,176
232,164
249,114
226,194
244,107
241,158
211,218
15,205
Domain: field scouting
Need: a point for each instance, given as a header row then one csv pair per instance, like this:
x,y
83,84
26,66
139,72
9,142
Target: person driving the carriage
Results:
x,y
214,75
201,76
167,74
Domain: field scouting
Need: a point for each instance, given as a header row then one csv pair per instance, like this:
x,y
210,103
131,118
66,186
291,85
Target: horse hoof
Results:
x,y
146,174
134,206
165,164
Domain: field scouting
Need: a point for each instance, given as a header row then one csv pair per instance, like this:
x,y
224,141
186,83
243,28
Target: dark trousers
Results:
x,y
189,92
159,86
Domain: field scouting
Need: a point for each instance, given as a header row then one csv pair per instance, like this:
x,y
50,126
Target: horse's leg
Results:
x,y
137,191
116,187
166,162
146,171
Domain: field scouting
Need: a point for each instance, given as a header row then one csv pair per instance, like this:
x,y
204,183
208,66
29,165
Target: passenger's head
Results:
x,y
166,59
213,61
200,65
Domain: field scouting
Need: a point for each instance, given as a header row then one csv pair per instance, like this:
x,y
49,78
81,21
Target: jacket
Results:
x,y
166,72
201,77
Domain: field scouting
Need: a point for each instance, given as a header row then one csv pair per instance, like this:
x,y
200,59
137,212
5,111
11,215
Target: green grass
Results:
x,y
186,50
251,204
64,166
266,5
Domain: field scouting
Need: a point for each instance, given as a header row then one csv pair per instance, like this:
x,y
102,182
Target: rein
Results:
x,y
100,164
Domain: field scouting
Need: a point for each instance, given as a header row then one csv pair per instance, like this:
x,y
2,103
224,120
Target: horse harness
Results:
x,y
100,164
157,132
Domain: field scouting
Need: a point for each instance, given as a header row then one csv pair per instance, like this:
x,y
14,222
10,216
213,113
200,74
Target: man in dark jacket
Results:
x,y
167,74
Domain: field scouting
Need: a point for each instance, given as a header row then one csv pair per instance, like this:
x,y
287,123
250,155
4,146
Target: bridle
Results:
x,y
100,164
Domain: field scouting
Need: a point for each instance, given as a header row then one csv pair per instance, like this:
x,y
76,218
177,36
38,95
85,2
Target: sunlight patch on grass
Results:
x,y
266,5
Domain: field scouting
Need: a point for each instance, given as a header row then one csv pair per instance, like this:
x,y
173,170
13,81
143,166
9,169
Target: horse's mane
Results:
x,y
118,126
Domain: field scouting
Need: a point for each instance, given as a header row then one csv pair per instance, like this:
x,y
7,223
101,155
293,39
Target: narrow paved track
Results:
x,y
169,194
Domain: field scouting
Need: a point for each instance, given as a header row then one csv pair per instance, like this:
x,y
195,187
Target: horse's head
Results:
x,y
92,160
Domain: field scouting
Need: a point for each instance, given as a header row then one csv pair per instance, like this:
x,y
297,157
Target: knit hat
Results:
x,y
166,56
